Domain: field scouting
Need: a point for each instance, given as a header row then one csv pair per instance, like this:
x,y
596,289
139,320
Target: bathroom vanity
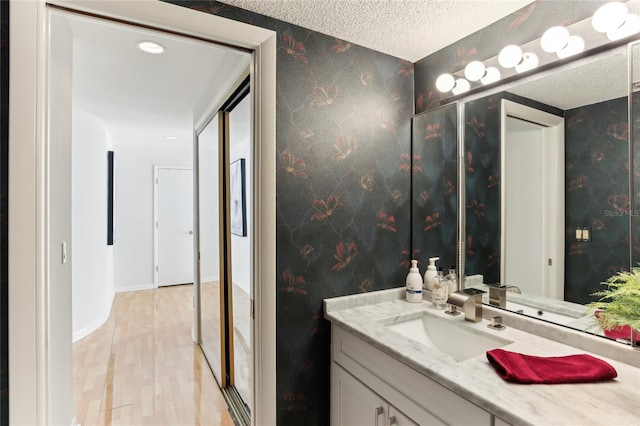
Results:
x,y
400,363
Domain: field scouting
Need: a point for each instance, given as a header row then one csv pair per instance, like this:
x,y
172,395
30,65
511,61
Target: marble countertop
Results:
x,y
615,402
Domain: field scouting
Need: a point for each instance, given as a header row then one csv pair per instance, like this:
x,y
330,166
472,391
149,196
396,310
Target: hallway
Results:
x,y
142,368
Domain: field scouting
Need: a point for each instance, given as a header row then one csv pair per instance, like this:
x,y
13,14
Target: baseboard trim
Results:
x,y
135,288
84,332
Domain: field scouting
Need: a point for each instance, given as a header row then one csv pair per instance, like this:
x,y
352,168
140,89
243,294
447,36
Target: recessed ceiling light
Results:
x,y
170,138
151,47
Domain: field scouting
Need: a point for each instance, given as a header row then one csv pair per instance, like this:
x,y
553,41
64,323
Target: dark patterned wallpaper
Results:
x,y
434,187
597,195
343,119
482,183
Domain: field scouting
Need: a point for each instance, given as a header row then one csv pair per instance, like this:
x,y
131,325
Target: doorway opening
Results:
x,y
142,111
532,221
39,397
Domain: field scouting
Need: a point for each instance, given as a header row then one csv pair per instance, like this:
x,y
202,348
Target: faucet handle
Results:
x,y
452,310
496,323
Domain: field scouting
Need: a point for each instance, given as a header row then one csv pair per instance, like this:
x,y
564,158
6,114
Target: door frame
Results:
x,y
156,169
29,285
553,220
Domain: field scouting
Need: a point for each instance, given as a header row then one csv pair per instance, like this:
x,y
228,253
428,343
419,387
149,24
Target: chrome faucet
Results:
x,y
470,300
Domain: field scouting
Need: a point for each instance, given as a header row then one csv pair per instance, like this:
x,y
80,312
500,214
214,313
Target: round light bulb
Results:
x,y
474,71
151,47
630,27
510,56
461,86
491,75
445,83
574,46
529,62
609,17
554,39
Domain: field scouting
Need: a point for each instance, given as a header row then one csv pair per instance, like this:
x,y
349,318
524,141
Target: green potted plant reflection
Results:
x,y
618,309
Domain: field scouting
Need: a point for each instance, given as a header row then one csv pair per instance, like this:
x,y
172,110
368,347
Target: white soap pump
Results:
x,y
430,273
414,284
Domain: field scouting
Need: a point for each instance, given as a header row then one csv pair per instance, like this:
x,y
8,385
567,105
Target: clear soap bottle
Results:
x,y
451,280
439,293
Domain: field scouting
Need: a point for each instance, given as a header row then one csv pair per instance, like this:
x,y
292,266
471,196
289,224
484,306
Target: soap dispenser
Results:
x,y
414,284
430,273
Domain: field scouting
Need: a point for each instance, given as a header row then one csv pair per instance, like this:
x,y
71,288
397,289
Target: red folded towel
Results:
x,y
521,368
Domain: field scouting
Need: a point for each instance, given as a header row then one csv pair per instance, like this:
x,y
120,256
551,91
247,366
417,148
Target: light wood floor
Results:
x,y
142,368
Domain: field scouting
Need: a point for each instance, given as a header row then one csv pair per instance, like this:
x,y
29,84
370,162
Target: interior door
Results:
x,y
174,226
525,243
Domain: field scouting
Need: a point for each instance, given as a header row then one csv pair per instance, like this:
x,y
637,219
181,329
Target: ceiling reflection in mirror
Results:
x,y
509,231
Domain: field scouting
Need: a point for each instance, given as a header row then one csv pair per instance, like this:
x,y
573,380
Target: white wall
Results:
x,y
92,257
239,124
133,247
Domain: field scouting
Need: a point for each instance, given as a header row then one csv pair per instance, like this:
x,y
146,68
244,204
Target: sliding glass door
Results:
x,y
225,248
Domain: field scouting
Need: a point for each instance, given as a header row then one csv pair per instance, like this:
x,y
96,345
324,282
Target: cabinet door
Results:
x,y
396,418
354,404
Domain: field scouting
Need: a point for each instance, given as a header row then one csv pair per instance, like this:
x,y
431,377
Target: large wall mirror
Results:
x,y
548,189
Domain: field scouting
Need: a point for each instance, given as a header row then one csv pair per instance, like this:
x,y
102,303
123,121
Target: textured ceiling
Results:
x,y
408,29
590,81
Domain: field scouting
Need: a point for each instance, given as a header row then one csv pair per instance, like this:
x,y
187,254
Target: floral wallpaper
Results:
x,y
519,28
482,183
597,195
434,187
343,118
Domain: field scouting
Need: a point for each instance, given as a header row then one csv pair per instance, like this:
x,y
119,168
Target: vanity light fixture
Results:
x,y
510,56
529,61
445,83
574,46
474,71
630,27
151,47
491,75
609,17
554,39
461,86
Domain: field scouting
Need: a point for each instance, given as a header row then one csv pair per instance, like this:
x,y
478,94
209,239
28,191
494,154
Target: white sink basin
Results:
x,y
458,340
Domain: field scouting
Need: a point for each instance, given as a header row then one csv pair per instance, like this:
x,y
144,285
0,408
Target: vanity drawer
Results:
x,y
417,396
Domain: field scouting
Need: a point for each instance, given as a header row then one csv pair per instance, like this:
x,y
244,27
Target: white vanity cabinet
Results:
x,y
354,404
366,381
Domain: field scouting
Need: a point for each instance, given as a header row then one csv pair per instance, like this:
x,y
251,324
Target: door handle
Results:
x,y
391,421
190,232
377,412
